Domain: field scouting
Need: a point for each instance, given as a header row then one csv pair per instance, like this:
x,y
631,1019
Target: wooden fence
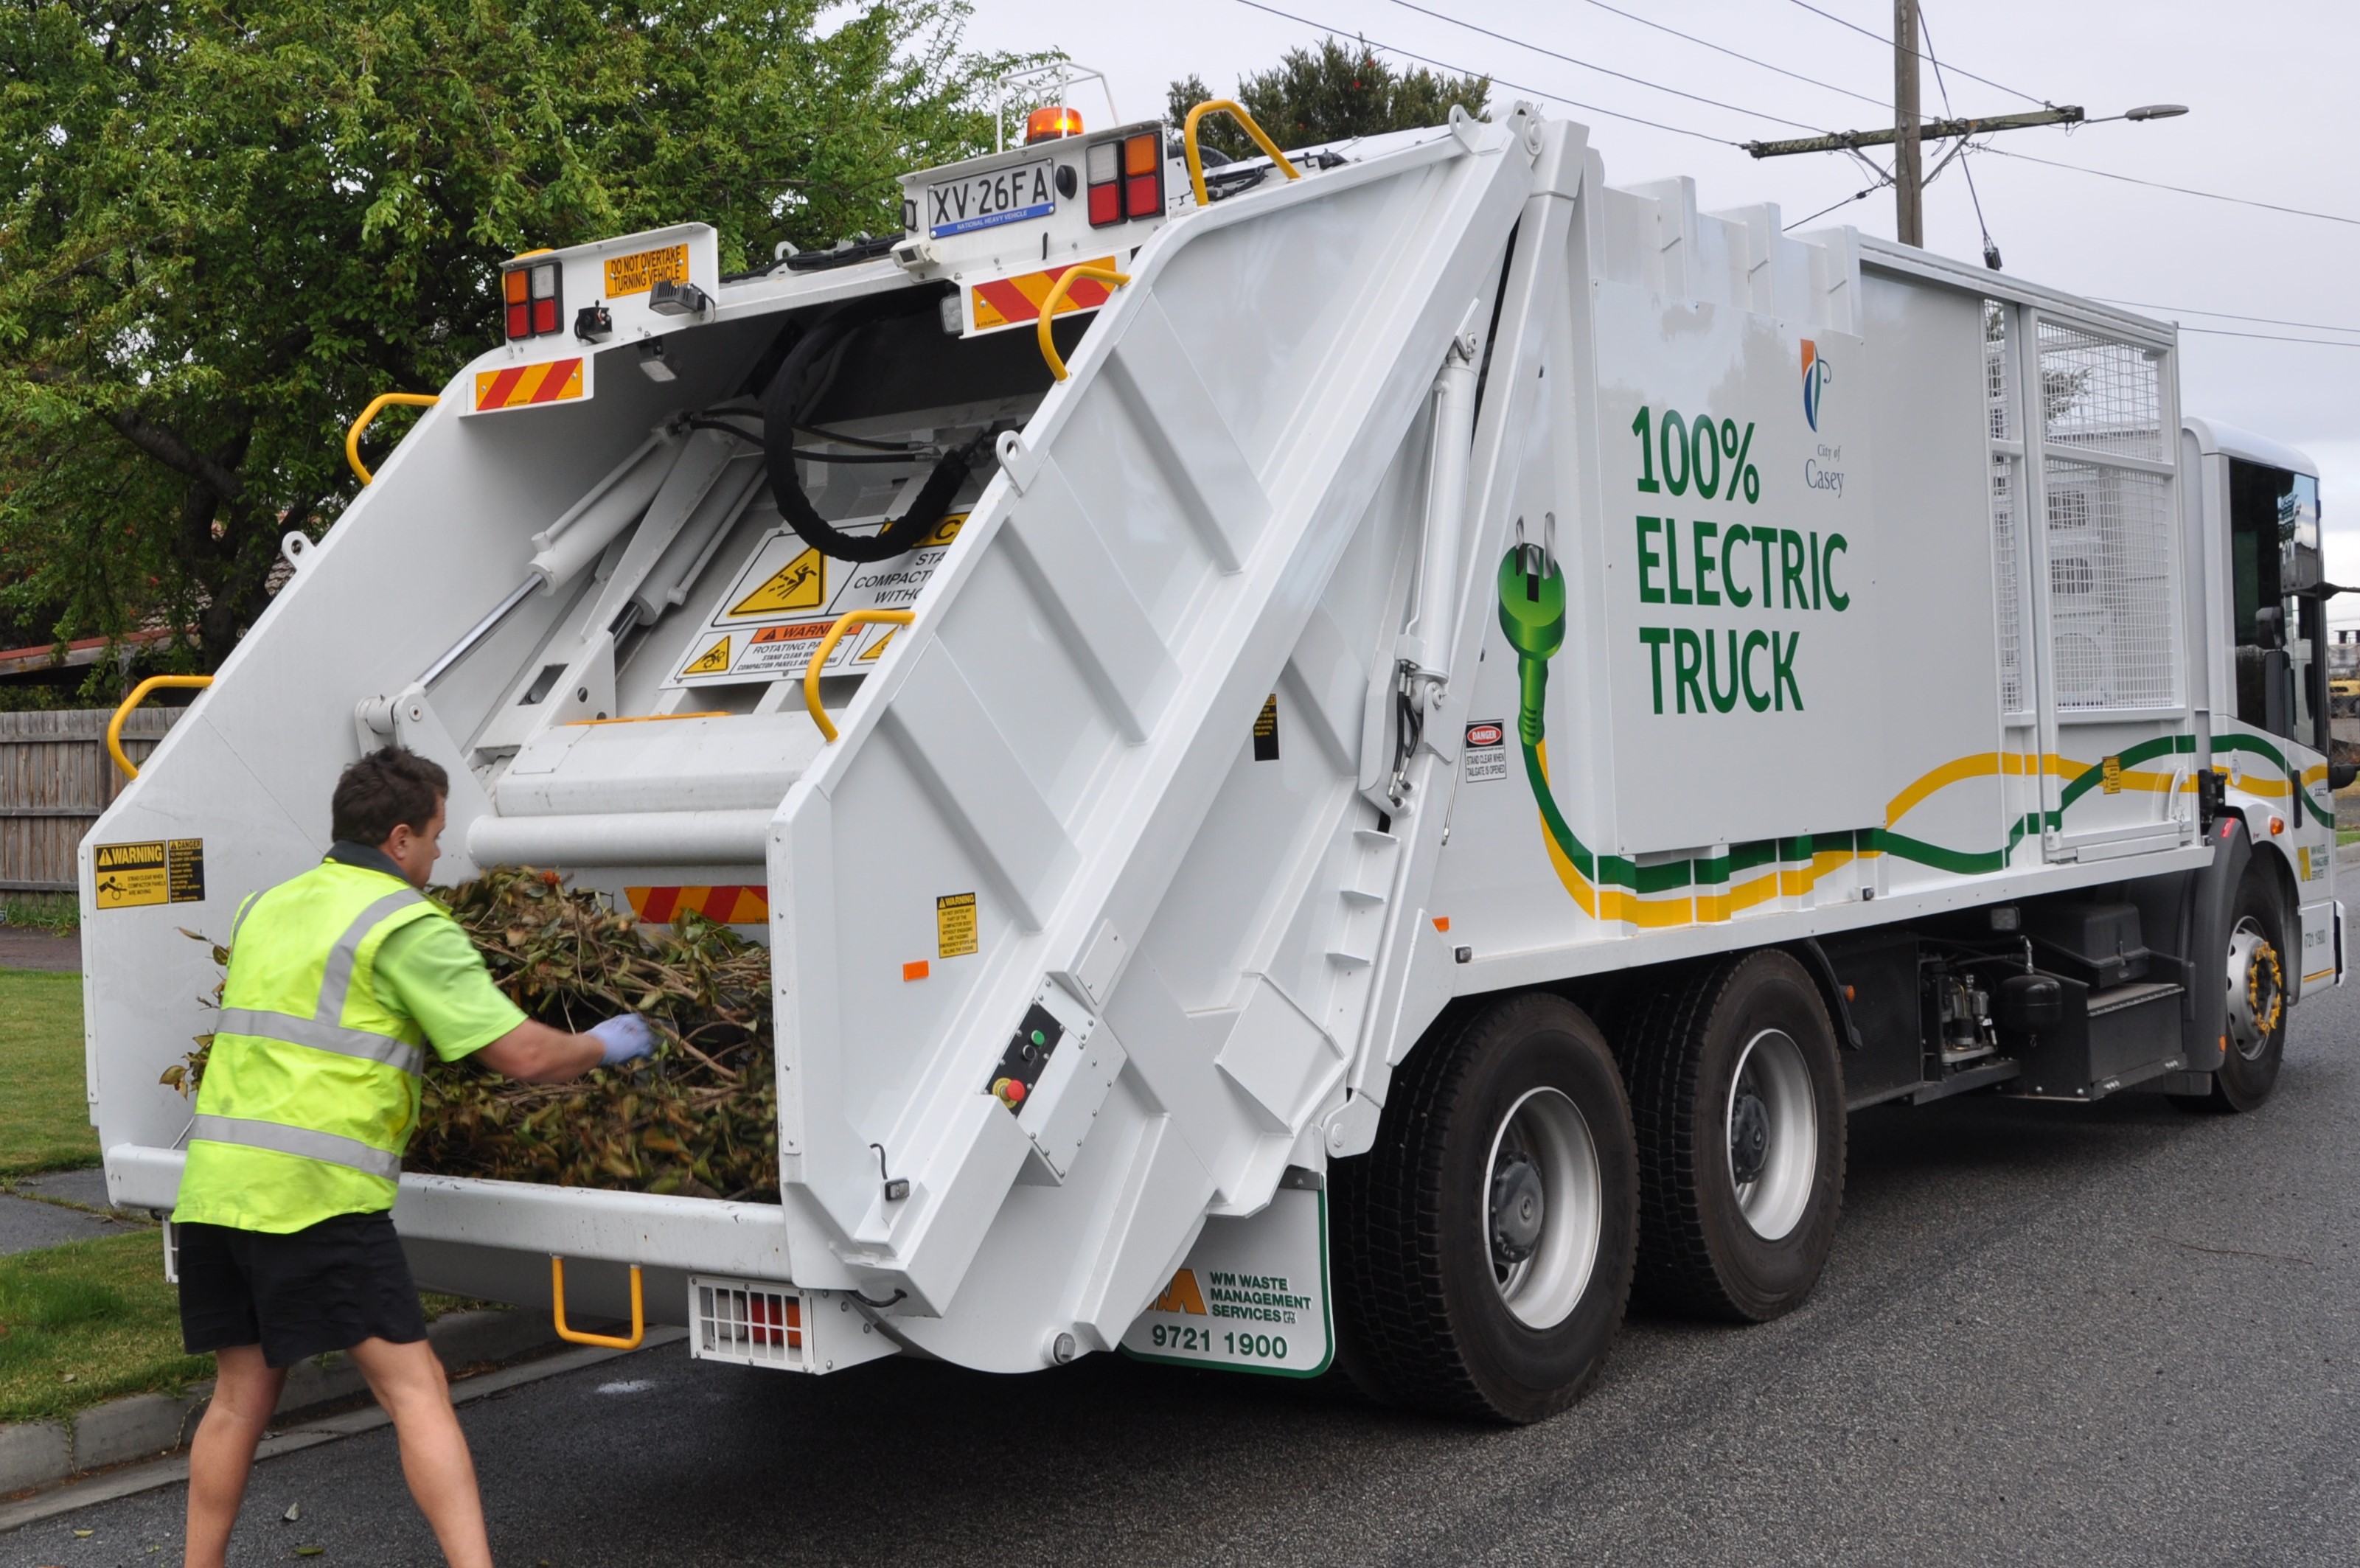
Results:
x,y
55,780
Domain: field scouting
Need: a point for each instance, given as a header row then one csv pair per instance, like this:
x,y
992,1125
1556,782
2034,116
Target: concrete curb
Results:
x,y
36,1454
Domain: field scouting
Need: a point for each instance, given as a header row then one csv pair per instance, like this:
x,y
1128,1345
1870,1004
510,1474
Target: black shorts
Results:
x,y
326,1286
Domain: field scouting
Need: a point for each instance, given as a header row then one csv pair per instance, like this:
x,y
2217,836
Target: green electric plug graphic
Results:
x,y
1531,612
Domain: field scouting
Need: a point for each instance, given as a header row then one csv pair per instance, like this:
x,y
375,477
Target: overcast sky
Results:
x,y
2263,80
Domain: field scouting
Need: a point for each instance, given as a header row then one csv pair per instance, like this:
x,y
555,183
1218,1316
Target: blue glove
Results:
x,y
625,1036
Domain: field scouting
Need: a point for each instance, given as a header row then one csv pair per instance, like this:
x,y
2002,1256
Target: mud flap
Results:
x,y
1253,1295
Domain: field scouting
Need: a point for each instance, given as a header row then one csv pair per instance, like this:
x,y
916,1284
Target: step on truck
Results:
x,y
1344,758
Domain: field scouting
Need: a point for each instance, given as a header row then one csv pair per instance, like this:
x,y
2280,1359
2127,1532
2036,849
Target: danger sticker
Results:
x,y
642,270
158,871
954,925
1485,757
787,595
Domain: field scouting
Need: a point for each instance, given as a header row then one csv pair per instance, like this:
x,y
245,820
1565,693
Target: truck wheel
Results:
x,y
1483,1248
2256,1013
1738,1099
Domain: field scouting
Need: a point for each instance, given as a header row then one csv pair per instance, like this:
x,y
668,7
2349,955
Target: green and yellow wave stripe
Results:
x,y
1714,888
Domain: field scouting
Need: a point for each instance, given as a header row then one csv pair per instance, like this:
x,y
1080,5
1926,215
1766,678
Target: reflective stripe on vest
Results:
x,y
326,1146
336,985
326,1036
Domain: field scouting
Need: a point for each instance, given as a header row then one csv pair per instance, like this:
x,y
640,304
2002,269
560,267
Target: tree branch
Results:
x,y
164,444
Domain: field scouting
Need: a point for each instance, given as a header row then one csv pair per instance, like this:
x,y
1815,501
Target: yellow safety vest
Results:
x,y
311,1089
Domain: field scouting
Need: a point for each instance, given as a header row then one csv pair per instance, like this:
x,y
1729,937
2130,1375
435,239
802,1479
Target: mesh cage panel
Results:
x,y
2014,691
1997,383
2109,604
754,1324
2098,395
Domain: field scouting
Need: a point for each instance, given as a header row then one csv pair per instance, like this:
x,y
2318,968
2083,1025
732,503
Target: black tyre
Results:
x,y
1737,1096
1483,1248
2256,1020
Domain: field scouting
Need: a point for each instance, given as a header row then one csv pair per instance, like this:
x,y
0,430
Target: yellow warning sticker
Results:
x,y
800,584
714,660
2112,776
877,646
158,871
954,925
639,271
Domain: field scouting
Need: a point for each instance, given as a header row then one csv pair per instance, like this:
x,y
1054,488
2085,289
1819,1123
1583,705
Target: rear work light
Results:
x,y
1126,178
533,301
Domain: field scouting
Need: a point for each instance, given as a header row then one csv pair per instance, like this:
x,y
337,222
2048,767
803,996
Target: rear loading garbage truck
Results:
x,y
1343,758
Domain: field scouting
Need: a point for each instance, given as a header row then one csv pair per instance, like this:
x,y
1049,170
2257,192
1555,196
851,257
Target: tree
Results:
x,y
226,225
1336,91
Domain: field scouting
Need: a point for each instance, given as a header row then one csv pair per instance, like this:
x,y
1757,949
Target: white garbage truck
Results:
x,y
1344,758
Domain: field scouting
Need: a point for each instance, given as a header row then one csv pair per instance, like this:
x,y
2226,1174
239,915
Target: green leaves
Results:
x,y
1341,90
225,228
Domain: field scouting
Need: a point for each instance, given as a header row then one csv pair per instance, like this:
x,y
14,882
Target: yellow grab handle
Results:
x,y
139,695
828,645
575,1335
1197,159
1057,297
378,405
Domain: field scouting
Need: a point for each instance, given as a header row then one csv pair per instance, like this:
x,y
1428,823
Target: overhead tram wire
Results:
x,y
1965,147
2225,315
1606,69
1733,54
1518,86
2182,189
1880,38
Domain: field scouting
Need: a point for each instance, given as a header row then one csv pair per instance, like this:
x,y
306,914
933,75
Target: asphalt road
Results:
x,y
2121,1334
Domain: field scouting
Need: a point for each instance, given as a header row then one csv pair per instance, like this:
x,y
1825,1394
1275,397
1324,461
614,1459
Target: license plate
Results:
x,y
987,200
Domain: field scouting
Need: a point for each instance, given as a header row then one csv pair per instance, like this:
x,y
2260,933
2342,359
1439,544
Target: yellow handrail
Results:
x,y
575,1335
1197,159
1057,297
376,406
828,645
139,695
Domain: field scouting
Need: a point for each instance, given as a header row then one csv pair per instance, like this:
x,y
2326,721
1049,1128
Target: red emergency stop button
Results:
x,y
1010,1091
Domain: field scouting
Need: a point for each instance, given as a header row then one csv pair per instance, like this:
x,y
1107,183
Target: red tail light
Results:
x,y
532,297
1125,179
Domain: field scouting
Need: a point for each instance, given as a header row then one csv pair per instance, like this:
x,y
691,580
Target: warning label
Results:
x,y
787,596
1265,734
954,925
159,871
800,584
642,270
1485,756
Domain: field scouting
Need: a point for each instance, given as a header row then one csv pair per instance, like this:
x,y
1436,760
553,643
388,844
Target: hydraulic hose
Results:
x,y
802,378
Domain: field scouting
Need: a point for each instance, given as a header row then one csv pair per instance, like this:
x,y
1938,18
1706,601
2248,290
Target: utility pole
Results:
x,y
1908,171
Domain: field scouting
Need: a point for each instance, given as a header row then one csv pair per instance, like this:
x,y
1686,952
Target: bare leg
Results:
x,y
245,1391
409,1383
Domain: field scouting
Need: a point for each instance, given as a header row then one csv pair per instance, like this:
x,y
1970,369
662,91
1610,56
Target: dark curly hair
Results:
x,y
386,787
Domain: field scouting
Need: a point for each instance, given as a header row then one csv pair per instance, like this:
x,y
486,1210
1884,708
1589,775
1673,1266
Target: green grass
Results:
x,y
2346,836
44,1118
89,1321
56,912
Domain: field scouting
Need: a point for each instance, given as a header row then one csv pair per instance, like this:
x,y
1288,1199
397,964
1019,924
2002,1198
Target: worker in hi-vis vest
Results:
x,y
339,982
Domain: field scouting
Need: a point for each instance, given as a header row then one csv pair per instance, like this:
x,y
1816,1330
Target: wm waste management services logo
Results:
x,y
1816,376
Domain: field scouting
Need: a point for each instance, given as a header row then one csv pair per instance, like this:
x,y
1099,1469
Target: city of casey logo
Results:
x,y
1816,375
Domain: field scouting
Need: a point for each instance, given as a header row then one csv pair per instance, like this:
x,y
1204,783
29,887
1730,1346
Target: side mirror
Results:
x,y
2340,774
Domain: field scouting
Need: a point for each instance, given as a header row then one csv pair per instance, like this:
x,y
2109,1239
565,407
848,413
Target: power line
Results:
x,y
1991,248
2182,189
2225,315
1855,196
1606,70
1461,71
1888,43
1733,54
2269,337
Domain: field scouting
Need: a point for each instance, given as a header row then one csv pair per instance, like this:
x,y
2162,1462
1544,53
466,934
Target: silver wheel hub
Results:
x,y
1774,1134
1543,1208
2256,989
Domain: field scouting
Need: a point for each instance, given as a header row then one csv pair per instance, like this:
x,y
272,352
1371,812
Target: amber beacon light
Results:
x,y
1052,124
